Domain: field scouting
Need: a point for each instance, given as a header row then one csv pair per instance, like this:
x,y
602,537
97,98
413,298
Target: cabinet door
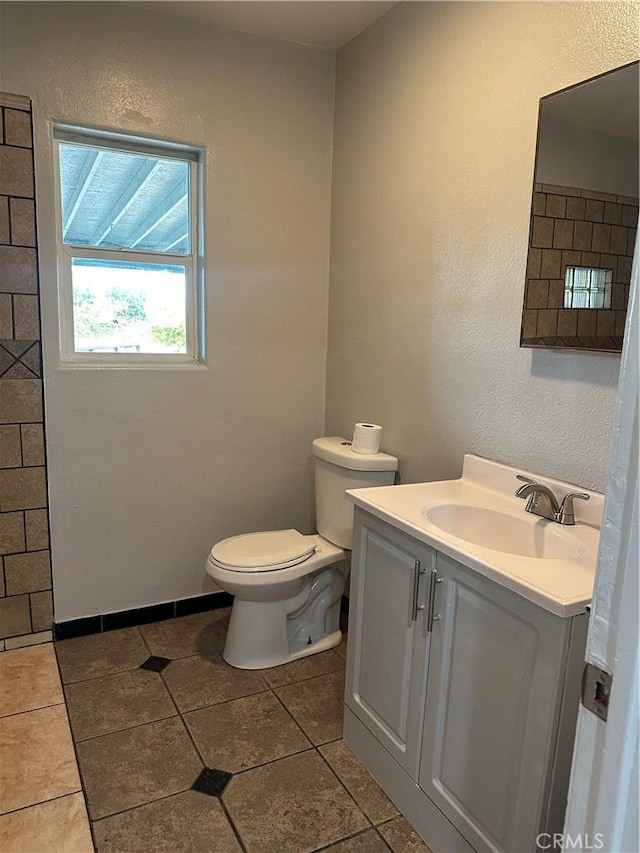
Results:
x,y
387,657
493,700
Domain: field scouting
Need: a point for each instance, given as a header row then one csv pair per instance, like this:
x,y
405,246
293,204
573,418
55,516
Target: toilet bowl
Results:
x,y
281,611
288,586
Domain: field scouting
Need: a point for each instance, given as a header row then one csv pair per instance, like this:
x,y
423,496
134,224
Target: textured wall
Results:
x,y
435,135
148,468
25,564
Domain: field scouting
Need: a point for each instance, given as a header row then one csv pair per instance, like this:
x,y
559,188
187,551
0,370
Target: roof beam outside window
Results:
x,y
89,168
131,192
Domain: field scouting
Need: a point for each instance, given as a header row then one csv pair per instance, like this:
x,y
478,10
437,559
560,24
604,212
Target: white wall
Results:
x,y
435,134
149,468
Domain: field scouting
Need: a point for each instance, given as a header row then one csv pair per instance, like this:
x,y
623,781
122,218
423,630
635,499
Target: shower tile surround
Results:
x,y
574,227
25,564
250,767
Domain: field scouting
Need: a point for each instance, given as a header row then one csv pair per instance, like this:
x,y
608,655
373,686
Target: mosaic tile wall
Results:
x,y
573,227
25,562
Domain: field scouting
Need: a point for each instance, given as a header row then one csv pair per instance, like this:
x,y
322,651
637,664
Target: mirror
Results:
x,y
584,215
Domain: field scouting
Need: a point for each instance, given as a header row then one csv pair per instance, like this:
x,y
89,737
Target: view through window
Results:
x,y
128,239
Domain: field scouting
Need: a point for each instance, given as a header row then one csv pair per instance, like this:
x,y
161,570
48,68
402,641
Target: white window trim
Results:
x,y
193,263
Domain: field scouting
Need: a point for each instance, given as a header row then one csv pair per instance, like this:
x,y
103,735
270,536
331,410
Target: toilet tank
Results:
x,y
338,468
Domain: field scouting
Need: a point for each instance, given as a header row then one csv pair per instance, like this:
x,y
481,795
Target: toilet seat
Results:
x,y
262,552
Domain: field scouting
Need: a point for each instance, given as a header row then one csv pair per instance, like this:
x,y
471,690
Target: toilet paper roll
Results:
x,y
366,438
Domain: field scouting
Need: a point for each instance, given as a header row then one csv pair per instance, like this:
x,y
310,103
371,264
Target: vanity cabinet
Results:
x,y
465,715
388,659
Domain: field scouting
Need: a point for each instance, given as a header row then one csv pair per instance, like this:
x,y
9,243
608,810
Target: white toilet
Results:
x,y
286,585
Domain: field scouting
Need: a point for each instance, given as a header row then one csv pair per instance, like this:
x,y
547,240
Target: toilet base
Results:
x,y
263,634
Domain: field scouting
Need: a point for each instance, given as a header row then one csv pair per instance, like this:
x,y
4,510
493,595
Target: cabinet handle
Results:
x,y
416,586
432,599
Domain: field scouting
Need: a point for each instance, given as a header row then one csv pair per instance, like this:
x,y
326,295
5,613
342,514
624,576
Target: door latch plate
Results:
x,y
596,689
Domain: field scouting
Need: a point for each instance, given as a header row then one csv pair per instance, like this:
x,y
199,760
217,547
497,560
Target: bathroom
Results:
x,y
366,220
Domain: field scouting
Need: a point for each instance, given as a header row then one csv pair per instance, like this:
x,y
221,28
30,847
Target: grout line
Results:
x,y
138,806
42,802
199,754
75,751
350,838
31,710
335,773
236,832
127,728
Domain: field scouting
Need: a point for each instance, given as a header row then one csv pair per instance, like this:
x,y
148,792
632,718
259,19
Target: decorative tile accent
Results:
x,y
27,614
19,359
212,782
155,664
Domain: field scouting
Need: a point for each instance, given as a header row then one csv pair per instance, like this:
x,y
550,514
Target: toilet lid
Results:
x,y
263,552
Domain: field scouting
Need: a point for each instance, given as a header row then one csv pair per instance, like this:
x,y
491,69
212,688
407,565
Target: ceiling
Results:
x,y
322,23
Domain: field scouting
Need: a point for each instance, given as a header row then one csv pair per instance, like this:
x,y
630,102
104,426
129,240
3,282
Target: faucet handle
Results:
x,y
565,513
527,481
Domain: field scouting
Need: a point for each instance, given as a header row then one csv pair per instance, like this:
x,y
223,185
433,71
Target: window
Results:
x,y
587,288
129,248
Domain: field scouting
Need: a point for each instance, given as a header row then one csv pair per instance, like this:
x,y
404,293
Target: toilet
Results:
x,y
287,586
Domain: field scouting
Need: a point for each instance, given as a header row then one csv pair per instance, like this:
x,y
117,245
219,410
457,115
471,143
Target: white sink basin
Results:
x,y
479,521
522,536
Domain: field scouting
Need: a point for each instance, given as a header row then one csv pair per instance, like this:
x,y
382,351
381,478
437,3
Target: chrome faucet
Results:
x,y
544,503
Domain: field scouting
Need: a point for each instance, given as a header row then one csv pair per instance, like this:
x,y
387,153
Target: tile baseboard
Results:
x,y
140,615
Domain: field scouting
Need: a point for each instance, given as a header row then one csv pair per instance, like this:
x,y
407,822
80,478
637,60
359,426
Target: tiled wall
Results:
x,y
574,227
25,563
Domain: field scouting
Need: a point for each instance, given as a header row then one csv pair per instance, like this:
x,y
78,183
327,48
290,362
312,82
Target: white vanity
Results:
x,y
467,631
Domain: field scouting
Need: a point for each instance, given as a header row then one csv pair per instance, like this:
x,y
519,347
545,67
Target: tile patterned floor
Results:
x,y
180,753
42,807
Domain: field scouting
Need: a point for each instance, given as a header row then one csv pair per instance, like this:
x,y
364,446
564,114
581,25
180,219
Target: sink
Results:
x,y
500,531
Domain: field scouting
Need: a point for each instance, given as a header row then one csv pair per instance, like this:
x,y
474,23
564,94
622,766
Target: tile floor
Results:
x,y
42,807
180,753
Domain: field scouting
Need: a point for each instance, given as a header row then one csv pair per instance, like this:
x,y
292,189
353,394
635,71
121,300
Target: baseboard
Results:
x,y
140,615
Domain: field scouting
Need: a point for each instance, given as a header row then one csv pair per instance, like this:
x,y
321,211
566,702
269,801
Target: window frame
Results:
x,y
193,262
